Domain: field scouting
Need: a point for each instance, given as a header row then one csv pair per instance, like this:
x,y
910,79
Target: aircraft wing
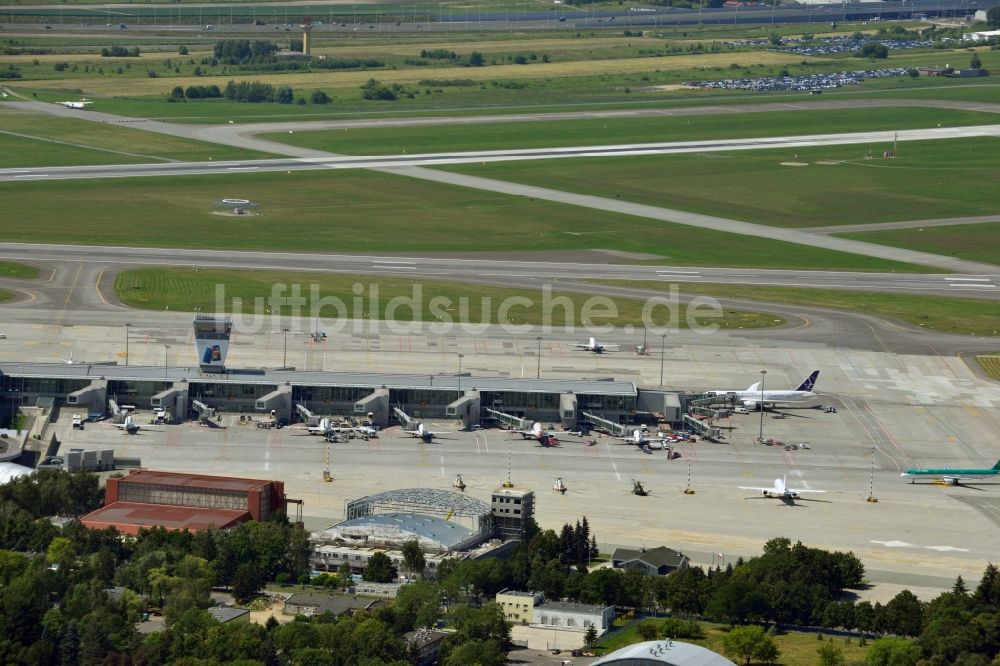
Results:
x,y
799,492
761,490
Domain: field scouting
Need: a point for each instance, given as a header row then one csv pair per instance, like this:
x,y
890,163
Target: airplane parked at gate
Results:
x,y
640,439
128,426
950,475
594,346
753,397
782,491
421,432
545,437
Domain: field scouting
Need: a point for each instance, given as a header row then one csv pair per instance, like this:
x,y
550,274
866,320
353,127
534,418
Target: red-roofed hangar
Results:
x,y
178,501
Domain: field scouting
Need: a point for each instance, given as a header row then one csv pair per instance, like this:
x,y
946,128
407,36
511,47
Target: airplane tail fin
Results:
x,y
753,387
809,382
780,484
593,342
997,466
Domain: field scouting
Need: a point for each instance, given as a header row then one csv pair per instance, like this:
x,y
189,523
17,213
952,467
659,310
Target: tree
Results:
x,y
413,558
975,62
246,582
483,653
590,637
750,643
875,50
903,615
830,654
476,59
319,97
648,630
380,569
893,652
993,16
284,95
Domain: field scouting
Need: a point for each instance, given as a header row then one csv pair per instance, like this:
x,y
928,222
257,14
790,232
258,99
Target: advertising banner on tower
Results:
x,y
212,352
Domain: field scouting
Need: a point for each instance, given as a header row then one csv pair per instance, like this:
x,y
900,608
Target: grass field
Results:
x,y
977,242
927,179
494,136
189,289
796,648
991,364
13,269
37,140
963,316
362,211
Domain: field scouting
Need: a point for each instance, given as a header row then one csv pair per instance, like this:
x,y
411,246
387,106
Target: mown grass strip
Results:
x,y
352,211
964,316
193,289
14,269
976,242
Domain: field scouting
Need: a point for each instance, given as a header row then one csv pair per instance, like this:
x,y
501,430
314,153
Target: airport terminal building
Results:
x,y
192,392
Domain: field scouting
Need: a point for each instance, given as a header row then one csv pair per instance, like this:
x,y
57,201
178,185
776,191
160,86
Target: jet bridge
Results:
x,y
94,397
173,400
567,410
509,420
307,416
375,403
611,427
405,419
466,409
278,402
205,413
703,428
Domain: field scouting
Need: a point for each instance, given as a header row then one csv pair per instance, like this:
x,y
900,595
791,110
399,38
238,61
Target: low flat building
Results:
x,y
310,604
518,606
658,561
330,557
573,616
424,646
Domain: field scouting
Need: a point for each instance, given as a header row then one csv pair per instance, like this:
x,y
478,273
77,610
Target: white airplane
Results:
x,y
781,491
594,346
639,439
537,433
129,426
421,432
324,428
82,104
753,396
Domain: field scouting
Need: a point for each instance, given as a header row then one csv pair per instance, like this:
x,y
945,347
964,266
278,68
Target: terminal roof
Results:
x,y
183,479
447,382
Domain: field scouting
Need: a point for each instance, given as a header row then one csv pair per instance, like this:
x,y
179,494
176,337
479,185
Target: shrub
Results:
x,y
319,97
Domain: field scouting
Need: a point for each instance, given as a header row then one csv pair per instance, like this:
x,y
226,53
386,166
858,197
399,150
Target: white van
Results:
x,y
741,410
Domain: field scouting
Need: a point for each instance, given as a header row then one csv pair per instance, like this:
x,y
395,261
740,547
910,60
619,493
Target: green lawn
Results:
x,y
535,134
189,289
31,138
796,648
976,242
13,269
363,211
927,179
965,316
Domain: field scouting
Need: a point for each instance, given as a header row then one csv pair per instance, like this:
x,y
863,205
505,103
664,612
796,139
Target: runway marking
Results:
x,y
34,175
97,287
392,261
612,459
250,168
967,279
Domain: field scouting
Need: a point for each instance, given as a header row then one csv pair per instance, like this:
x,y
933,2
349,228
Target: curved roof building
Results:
x,y
663,653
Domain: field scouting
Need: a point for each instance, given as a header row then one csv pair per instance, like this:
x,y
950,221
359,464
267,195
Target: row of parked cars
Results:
x,y
810,82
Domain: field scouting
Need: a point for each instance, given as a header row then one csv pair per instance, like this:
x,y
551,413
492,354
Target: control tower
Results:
x,y
211,339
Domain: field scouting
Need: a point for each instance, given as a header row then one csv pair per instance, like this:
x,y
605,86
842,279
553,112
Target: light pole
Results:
x,y
460,357
762,374
284,352
538,368
663,348
166,348
127,326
